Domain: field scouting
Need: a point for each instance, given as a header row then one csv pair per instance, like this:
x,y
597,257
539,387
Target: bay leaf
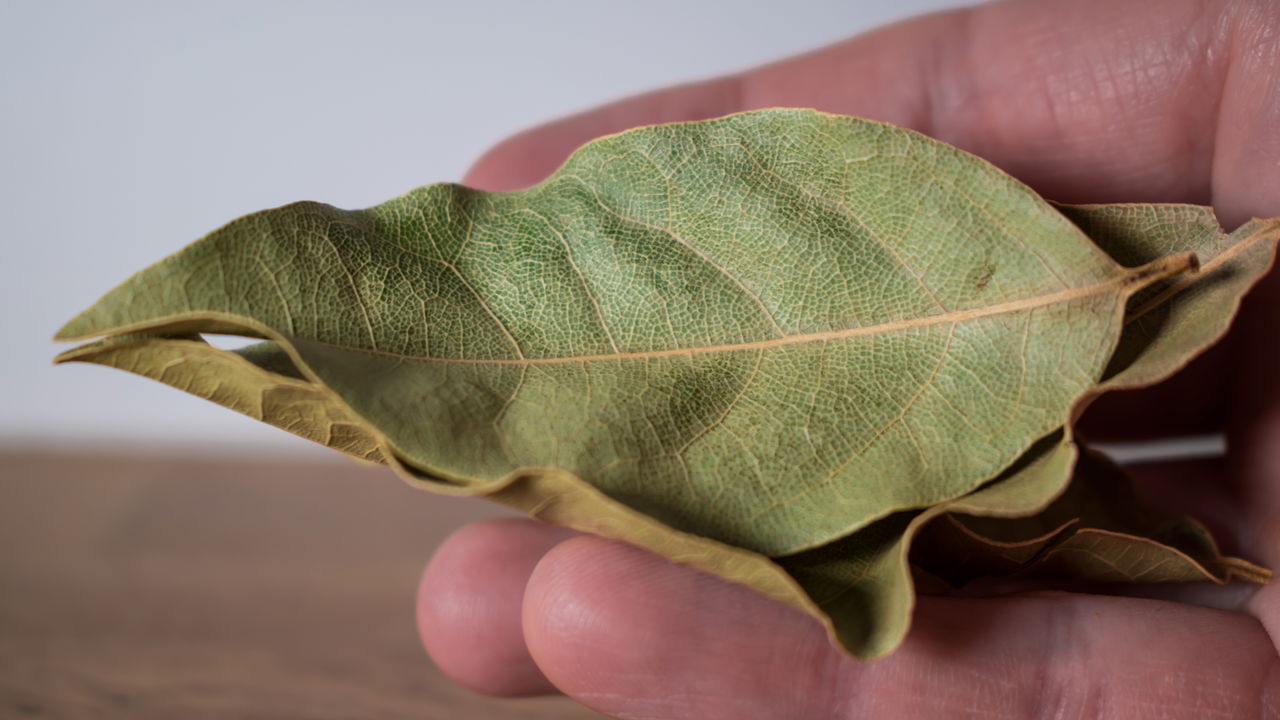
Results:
x,y
770,329
864,581
258,381
1096,531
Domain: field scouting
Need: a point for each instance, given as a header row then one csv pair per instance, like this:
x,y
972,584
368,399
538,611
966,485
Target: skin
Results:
x,y
1087,101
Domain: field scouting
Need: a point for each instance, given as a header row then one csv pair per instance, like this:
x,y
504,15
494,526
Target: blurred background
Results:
x,y
164,557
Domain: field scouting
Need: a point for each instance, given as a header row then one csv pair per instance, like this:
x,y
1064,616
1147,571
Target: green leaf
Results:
x,y
770,329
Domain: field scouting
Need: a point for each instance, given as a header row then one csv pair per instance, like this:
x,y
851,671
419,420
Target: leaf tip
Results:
x,y
80,353
75,354
72,330
1238,569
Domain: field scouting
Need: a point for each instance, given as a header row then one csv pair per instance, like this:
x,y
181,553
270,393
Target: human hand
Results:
x,y
1086,101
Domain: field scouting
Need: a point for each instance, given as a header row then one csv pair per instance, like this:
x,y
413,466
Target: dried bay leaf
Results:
x,y
1166,326
780,334
258,381
1097,531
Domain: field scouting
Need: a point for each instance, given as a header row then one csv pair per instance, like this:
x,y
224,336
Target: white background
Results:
x,y
129,129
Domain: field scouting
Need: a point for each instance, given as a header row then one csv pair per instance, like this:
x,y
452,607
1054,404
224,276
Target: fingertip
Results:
x,y
585,610
468,607
628,633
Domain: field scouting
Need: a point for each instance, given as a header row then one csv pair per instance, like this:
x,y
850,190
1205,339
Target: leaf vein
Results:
x,y
768,314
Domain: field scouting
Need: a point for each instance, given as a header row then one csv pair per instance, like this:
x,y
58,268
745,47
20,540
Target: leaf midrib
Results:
x,y
1125,283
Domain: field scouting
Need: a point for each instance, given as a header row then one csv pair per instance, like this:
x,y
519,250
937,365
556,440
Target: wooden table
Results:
x,y
191,586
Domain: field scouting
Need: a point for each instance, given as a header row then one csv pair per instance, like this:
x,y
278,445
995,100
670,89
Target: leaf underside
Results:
x,y
780,334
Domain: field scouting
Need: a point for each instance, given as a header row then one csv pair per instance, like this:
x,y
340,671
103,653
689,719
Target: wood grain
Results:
x,y
181,585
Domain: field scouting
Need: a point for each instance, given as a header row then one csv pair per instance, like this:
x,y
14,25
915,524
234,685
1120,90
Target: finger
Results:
x,y
1087,100
1254,441
469,603
631,635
